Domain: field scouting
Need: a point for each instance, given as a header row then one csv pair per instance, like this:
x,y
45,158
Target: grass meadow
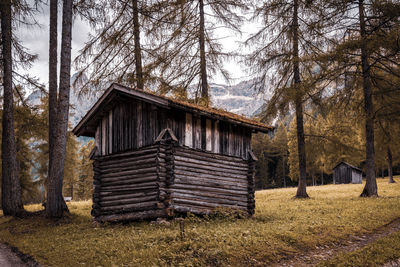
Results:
x,y
282,226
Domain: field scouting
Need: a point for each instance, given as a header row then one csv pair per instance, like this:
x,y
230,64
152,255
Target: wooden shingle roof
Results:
x,y
86,127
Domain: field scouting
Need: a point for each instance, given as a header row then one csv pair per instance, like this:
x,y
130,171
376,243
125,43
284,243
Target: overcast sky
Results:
x,y
36,39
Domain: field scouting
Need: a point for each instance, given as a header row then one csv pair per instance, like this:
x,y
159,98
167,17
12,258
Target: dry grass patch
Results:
x,y
281,226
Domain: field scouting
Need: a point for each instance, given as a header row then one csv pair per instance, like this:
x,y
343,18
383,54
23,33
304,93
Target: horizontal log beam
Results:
x,y
242,198
132,172
205,162
191,151
194,180
143,215
126,201
177,197
119,208
129,180
242,192
139,152
214,172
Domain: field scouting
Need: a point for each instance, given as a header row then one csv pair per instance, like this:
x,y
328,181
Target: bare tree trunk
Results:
x,y
53,90
301,188
284,171
322,177
55,202
11,188
138,50
370,188
203,65
390,165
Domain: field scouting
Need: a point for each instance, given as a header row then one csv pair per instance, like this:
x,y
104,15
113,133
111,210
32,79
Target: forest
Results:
x,y
332,67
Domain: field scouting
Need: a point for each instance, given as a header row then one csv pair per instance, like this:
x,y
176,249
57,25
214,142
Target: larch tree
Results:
x,y
366,50
122,46
194,54
55,204
292,33
173,42
53,82
11,187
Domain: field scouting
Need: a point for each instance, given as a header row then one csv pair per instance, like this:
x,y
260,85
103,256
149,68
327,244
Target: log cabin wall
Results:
x,y
204,181
164,178
130,186
133,124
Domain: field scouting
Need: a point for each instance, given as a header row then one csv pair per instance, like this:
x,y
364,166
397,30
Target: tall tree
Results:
x,y
55,205
301,146
174,43
370,188
281,57
366,54
119,27
11,188
53,84
195,54
138,49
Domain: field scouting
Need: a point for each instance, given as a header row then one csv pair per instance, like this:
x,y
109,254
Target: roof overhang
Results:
x,y
114,93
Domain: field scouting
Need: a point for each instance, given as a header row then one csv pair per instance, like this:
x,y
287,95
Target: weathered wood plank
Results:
x,y
150,214
214,172
127,196
212,156
139,129
98,140
242,198
204,203
117,208
197,132
205,199
114,203
189,130
216,137
110,139
208,135
209,188
201,161
193,180
129,180
148,170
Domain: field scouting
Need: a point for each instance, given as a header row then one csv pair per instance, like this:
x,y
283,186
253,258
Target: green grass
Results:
x,y
281,226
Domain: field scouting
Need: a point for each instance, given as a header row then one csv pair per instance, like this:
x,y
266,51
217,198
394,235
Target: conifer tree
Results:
x,y
195,51
361,57
11,188
55,204
116,52
293,31
178,48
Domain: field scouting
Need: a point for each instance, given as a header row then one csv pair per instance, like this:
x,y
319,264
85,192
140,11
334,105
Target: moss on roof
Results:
x,y
213,111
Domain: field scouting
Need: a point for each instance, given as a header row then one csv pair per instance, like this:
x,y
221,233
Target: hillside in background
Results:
x,y
239,99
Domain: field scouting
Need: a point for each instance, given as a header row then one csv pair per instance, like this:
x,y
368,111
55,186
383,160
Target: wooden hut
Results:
x,y
344,173
156,156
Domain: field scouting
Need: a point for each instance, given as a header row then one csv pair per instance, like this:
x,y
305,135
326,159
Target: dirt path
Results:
x,y
353,243
11,257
